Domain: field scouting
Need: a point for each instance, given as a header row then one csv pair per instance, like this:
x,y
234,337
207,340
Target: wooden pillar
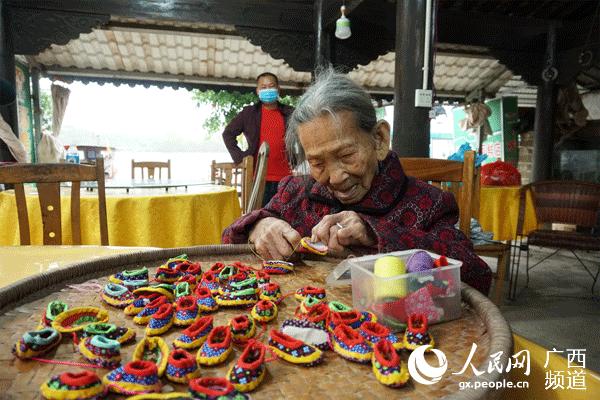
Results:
x,y
543,141
411,124
321,39
37,111
8,102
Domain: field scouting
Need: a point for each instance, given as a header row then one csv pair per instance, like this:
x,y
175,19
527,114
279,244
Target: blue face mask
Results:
x,y
268,95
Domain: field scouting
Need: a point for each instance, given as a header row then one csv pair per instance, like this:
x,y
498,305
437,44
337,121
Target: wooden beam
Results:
x,y
272,14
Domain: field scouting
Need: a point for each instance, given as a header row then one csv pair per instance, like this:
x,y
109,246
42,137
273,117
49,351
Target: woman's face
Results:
x,y
342,157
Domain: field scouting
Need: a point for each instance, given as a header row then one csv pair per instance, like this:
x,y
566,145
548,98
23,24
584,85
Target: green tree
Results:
x,y
226,105
46,107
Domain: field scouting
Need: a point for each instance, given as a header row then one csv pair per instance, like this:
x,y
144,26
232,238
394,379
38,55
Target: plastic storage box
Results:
x,y
434,293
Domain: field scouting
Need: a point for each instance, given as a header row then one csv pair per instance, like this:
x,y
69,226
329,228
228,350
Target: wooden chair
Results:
x,y
151,167
48,178
258,188
558,202
461,178
236,175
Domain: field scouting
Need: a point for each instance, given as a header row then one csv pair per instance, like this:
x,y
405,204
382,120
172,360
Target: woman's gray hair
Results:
x,y
330,93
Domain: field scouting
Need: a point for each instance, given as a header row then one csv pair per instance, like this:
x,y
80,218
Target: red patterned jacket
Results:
x,y
405,213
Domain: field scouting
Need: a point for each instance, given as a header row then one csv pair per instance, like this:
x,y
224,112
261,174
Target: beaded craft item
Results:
x,y
186,311
117,295
293,350
308,303
36,343
216,348
337,306
84,385
374,332
173,262
122,335
314,247
181,367
101,351
212,388
161,321
307,332
242,328
388,368
153,349
264,311
277,267
140,303
194,335
163,289
416,333
270,291
205,300
352,318
303,292
189,268
318,315
134,377
140,274
190,280
210,281
52,310
167,275
76,319
350,344
144,316
249,370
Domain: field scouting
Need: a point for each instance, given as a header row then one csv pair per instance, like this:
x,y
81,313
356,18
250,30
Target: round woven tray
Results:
x,y
22,304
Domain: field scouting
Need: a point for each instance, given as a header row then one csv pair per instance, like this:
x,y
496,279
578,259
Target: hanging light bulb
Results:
x,y
342,25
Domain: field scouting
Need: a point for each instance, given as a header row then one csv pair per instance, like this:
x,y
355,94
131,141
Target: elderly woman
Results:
x,y
357,198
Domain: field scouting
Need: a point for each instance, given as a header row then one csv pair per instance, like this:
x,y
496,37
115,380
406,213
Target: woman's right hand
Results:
x,y
274,238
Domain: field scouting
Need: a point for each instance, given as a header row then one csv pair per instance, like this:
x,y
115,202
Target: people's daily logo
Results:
x,y
421,371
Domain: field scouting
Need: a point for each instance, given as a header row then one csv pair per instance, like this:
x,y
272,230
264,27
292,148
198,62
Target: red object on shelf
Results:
x,y
500,173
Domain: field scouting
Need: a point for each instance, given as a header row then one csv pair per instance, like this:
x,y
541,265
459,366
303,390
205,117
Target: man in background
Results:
x,y
264,121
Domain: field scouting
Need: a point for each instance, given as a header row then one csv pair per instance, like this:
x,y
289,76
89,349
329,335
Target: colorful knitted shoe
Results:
x,y
239,282
110,331
52,310
277,267
301,293
101,351
133,285
190,280
162,289
140,303
319,248
416,333
239,298
308,303
216,268
190,268
76,319
294,350
271,291
337,306
367,316
181,367
144,316
195,334
216,348
388,368
182,289
249,370
84,385
349,344
262,278
140,274
205,300
214,389
173,262
167,275
117,295
153,349
374,332
264,311
210,281
307,332
226,273
351,318
318,315
36,343
133,378
242,328
161,321
186,311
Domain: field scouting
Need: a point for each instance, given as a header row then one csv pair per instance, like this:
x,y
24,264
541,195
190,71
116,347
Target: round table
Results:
x,y
22,304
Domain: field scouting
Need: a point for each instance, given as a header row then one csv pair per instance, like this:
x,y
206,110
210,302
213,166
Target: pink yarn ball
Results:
x,y
419,261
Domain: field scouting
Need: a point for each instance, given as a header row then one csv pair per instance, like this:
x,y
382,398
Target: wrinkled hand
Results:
x,y
343,229
274,238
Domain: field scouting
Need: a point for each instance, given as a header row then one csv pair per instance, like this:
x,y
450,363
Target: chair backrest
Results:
x,y
151,167
564,202
454,176
237,175
258,189
48,178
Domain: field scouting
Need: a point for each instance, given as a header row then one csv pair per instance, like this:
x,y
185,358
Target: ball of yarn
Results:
x,y
419,261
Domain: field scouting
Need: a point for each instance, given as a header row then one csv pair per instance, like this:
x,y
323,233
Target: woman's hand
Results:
x,y
343,229
274,238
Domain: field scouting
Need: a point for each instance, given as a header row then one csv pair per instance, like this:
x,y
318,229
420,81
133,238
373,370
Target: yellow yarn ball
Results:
x,y
387,267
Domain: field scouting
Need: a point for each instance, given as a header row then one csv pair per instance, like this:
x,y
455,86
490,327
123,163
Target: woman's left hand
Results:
x,y
343,229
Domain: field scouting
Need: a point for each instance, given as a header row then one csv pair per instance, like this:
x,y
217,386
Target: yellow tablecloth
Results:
x,y
159,219
499,211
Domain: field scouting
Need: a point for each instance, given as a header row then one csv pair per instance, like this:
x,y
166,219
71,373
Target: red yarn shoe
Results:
x,y
349,344
84,385
416,333
181,367
388,368
195,334
301,293
216,348
242,328
214,389
293,350
351,318
249,370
